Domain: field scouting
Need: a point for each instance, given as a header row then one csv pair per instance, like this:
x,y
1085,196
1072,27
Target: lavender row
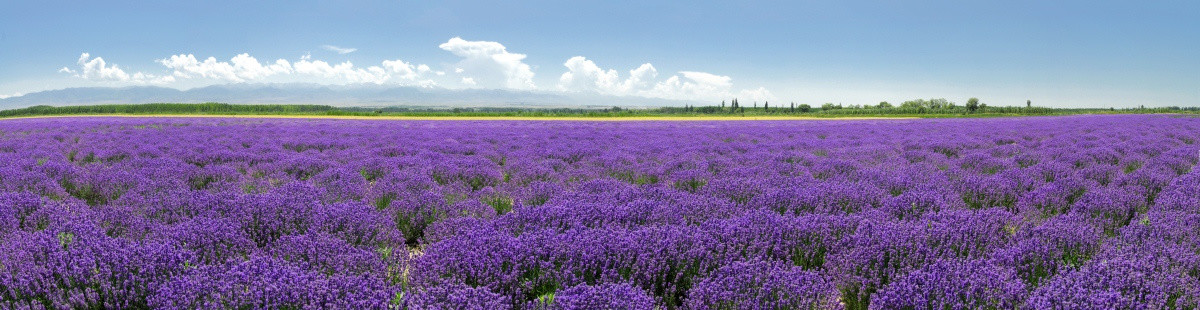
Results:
x,y
1037,213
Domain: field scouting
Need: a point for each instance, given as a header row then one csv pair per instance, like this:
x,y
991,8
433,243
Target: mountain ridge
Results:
x,y
335,95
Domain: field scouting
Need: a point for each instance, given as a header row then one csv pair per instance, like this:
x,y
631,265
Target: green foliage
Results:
x,y
170,108
65,239
938,107
499,202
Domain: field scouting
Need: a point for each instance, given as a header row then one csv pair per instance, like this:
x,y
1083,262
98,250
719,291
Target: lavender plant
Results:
x,y
187,213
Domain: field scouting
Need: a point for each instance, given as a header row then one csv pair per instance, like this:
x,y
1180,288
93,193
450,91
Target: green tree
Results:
x,y
972,104
940,103
914,104
1028,103
884,105
805,108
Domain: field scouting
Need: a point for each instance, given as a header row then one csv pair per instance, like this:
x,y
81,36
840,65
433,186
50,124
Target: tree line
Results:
x,y
916,107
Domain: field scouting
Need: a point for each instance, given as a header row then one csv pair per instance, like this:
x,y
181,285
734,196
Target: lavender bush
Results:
x,y
186,213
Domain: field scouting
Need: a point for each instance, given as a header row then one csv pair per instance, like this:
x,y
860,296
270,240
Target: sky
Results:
x,y
1054,53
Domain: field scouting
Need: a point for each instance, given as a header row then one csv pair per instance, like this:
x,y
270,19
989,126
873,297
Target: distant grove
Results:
x,y
938,107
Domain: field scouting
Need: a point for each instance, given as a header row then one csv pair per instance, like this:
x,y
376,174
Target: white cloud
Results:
x,y
708,79
405,70
584,75
344,72
339,50
240,68
692,85
490,64
98,70
484,64
10,96
245,68
758,94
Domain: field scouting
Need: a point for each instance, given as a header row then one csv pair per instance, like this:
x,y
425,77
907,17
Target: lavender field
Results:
x,y
1078,212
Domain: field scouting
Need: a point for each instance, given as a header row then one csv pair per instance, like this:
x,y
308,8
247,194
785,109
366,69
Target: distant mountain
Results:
x,y
335,95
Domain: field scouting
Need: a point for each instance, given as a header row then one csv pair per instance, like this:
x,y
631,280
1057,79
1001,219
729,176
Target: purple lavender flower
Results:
x,y
759,285
268,283
604,296
459,296
1048,212
953,284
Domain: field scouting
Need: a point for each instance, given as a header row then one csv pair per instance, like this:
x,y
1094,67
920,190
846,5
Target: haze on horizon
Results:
x,y
1058,54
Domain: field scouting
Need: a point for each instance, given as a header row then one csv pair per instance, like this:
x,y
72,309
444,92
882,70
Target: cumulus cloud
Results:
x,y
757,94
244,68
339,50
585,76
344,72
490,64
692,85
99,70
482,64
405,70
240,68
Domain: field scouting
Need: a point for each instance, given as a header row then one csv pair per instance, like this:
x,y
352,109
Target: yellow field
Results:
x,y
495,118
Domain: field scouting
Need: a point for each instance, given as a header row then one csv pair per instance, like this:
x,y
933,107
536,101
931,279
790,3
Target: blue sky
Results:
x,y
1056,53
